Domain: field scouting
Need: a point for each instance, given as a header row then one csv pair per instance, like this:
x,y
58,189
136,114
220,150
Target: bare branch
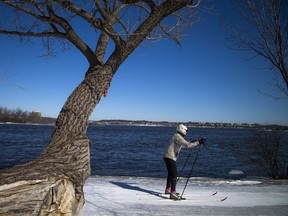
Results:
x,y
72,36
265,33
35,34
66,5
196,5
106,16
148,2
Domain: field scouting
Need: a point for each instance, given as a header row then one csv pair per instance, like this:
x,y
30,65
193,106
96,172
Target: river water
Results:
x,y
138,150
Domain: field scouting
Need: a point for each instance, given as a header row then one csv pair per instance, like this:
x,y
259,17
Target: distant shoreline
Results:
x,y
43,121
189,124
23,117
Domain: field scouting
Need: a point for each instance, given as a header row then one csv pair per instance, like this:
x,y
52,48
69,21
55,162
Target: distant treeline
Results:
x,y
190,124
20,116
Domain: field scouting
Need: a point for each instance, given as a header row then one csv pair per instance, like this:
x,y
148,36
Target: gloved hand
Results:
x,y
192,141
202,140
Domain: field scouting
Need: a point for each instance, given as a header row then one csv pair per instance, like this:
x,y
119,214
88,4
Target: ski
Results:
x,y
194,200
197,198
194,194
165,198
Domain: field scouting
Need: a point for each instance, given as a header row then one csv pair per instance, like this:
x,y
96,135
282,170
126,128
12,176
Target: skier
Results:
x,y
171,155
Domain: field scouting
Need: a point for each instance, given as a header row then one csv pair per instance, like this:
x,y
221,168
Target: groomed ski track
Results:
x,y
113,195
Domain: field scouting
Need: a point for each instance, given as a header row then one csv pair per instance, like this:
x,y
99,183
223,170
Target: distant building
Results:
x,y
36,115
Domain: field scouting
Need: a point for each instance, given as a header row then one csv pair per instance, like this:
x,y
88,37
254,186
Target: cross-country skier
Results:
x,y
171,155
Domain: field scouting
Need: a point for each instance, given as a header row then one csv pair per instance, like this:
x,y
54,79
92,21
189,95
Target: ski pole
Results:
x,y
191,170
184,165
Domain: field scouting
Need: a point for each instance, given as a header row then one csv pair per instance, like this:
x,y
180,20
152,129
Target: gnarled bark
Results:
x,y
53,183
47,186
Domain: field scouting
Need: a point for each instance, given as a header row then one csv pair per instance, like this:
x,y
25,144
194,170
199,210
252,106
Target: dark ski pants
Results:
x,y
172,173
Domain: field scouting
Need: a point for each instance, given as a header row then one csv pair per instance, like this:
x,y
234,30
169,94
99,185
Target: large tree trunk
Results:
x,y
53,183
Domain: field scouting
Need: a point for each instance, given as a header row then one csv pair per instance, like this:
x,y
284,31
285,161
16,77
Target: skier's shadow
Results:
x,y
135,188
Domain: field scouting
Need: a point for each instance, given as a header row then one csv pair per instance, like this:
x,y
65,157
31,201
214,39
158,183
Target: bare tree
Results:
x,y
270,149
265,32
53,183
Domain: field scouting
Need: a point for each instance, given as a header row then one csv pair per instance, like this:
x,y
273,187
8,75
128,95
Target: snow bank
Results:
x,y
140,196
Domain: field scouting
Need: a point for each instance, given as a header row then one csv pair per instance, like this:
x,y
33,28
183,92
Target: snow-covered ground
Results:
x,y
140,196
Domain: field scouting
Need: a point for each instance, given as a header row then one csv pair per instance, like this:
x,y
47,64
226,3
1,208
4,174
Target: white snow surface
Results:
x,y
116,195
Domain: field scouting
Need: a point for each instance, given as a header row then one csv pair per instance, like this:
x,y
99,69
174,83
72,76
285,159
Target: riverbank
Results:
x,y
51,121
139,196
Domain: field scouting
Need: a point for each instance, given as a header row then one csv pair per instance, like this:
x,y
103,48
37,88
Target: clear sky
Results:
x,y
204,81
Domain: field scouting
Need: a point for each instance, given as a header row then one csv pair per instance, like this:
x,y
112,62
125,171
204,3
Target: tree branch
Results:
x,y
267,35
157,14
66,5
72,36
35,34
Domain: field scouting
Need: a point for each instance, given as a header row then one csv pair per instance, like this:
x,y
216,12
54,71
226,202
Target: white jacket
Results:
x,y
175,145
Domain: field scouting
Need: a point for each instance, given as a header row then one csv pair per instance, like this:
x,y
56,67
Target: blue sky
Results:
x,y
203,81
